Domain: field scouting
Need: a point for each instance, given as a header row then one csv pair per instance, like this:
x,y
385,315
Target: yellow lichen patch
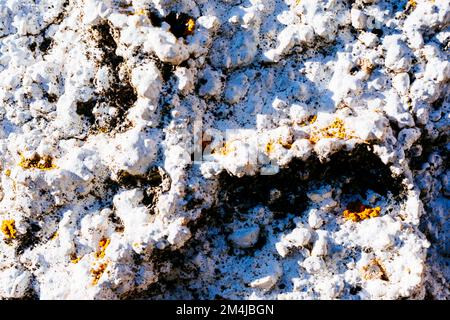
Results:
x,y
8,172
335,130
190,26
98,272
141,12
412,3
285,144
102,245
410,7
225,149
310,120
357,212
74,259
37,162
269,147
54,236
374,270
136,245
9,229
103,130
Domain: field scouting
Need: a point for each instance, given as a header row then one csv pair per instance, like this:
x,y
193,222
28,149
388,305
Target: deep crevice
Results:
x,y
358,171
120,95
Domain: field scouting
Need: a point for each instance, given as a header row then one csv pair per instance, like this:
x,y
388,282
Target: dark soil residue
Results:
x,y
153,183
357,171
120,95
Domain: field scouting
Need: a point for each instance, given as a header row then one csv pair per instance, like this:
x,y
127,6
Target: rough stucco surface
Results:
x,y
255,149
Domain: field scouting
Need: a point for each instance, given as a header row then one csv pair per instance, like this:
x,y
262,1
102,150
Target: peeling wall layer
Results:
x,y
276,149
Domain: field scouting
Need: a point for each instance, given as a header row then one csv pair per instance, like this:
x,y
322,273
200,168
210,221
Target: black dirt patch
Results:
x,y
32,46
51,97
47,42
167,71
120,95
29,239
155,182
428,147
155,19
357,172
179,23
45,45
85,109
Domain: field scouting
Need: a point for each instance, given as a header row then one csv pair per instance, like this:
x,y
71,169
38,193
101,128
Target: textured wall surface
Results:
x,y
239,149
